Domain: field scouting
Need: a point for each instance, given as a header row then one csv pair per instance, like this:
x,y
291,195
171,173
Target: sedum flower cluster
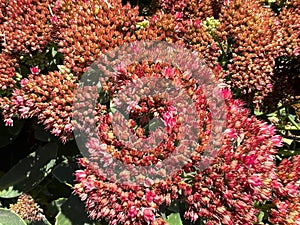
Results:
x,y
27,209
240,174
240,41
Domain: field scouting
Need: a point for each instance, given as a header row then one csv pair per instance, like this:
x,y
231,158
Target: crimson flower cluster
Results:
x,y
287,193
114,133
240,174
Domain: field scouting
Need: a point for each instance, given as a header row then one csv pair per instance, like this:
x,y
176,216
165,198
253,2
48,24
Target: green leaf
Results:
x,y
54,206
8,217
72,212
29,172
53,52
260,216
287,141
64,172
174,207
59,202
41,222
258,113
173,219
294,122
287,152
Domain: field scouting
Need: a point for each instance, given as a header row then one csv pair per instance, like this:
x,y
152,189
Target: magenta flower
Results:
x,y
132,212
148,215
54,19
169,119
35,70
178,15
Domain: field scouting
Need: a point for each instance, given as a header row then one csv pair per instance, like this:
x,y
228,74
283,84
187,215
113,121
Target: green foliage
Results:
x,y
41,222
64,172
72,212
7,217
173,219
29,172
9,134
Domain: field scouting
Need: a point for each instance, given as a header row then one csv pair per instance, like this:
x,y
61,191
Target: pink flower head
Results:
x,y
120,68
148,215
24,82
19,100
231,133
29,103
132,212
277,140
296,51
9,122
249,159
178,15
80,175
214,46
150,195
226,94
69,128
24,111
168,72
276,22
56,131
154,18
226,2
178,28
255,181
57,5
197,23
182,4
35,70
53,19
168,118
